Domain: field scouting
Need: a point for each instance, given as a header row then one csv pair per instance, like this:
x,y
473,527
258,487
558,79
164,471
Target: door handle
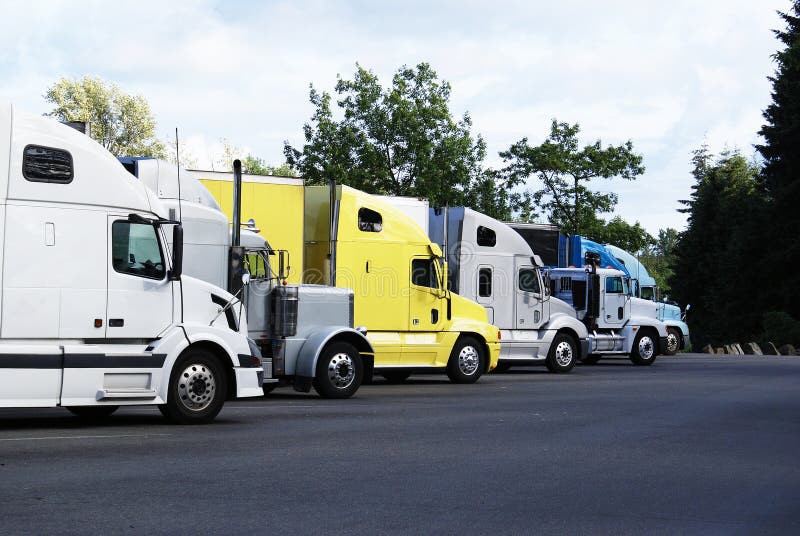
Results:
x,y
116,322
434,316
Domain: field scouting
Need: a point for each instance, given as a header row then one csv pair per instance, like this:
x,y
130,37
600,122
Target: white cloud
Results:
x,y
666,75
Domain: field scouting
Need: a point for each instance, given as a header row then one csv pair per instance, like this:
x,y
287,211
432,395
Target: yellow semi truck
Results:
x,y
397,274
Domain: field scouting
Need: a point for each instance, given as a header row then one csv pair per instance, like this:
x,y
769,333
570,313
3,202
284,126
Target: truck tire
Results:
x,y
197,388
339,371
92,413
396,375
467,361
562,355
673,341
645,348
591,359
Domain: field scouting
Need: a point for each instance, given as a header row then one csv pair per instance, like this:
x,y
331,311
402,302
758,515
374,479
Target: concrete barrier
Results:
x,y
755,348
720,351
708,349
787,349
769,349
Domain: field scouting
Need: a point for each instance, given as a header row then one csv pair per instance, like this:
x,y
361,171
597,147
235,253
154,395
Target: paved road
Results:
x,y
691,444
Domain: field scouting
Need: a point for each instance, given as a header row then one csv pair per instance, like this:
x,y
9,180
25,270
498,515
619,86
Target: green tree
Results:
x,y
564,170
121,123
251,165
781,175
660,258
632,238
400,140
716,262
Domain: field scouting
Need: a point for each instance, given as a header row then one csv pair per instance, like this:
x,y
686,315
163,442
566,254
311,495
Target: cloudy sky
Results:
x,y
667,75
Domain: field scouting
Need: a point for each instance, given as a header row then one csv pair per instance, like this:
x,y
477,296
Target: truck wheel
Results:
x,y
467,361
396,376
591,359
673,341
562,354
92,413
644,349
339,371
197,388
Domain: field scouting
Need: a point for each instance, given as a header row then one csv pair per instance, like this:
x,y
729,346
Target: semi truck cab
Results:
x,y
618,324
104,317
399,277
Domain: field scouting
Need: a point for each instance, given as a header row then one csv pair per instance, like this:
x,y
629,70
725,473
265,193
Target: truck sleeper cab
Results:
x,y
617,323
491,264
305,332
104,316
356,240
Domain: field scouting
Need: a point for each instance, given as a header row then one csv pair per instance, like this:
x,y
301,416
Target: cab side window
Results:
x,y
46,164
614,285
135,250
423,273
486,237
529,282
369,221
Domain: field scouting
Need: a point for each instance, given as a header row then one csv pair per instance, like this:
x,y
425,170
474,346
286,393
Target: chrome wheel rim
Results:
x,y
468,360
197,387
672,342
646,347
341,371
564,354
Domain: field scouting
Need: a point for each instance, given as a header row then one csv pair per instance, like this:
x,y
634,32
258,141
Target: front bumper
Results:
x,y
494,355
584,349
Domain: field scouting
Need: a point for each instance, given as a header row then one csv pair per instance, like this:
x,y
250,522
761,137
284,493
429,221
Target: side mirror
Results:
x,y
688,306
177,253
245,278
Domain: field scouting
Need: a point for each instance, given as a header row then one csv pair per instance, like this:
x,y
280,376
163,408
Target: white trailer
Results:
x,y
96,313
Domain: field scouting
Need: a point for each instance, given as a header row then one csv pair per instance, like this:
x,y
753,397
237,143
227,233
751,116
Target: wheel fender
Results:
x,y
309,353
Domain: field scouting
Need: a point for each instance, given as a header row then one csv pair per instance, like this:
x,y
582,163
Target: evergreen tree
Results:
x,y
781,175
716,264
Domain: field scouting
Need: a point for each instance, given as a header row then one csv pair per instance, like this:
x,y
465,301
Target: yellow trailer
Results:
x,y
397,274
274,203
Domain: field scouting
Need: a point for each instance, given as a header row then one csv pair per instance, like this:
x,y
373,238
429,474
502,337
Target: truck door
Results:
x,y
425,311
614,301
528,294
139,292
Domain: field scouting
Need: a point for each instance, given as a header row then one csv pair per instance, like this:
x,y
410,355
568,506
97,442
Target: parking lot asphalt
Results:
x,y
693,444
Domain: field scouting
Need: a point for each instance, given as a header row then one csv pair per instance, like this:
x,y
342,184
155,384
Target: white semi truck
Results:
x,y
491,264
96,312
618,323
305,332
